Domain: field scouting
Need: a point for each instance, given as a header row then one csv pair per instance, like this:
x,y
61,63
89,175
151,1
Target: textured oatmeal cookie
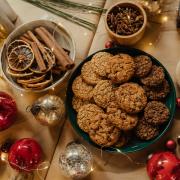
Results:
x,y
102,132
155,77
143,66
99,62
103,93
146,131
159,92
86,116
77,103
81,89
131,97
121,119
156,113
88,75
120,68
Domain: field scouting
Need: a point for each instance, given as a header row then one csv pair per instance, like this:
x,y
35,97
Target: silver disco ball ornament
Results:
x,y
76,162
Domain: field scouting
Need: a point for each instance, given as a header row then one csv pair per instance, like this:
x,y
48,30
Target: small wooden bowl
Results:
x,y
127,39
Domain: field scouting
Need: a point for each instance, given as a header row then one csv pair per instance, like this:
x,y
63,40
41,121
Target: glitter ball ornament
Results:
x,y
171,145
163,166
49,110
25,155
76,162
8,111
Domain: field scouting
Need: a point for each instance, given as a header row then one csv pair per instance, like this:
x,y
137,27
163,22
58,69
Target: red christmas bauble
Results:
x,y
178,102
109,44
163,166
8,111
25,155
171,145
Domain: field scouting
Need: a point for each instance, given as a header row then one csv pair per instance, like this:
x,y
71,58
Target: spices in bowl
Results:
x,y
126,22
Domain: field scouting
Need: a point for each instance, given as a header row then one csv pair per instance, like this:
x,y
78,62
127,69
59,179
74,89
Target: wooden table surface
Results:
x,y
162,41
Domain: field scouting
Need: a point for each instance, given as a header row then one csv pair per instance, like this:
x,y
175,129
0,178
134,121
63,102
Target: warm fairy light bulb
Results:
x,y
150,44
164,19
90,11
4,157
53,88
90,4
21,95
146,3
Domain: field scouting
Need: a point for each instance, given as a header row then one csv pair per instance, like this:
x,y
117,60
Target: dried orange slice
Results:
x,y
34,79
21,58
15,44
16,74
40,85
49,64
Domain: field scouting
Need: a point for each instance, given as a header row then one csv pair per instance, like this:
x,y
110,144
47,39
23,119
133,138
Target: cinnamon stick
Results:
x,y
57,45
62,58
41,48
25,39
38,57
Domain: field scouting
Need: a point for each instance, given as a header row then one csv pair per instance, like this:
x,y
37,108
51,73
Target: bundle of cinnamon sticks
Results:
x,y
40,38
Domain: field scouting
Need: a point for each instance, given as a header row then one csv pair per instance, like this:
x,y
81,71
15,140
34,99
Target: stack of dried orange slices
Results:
x,y
23,67
32,64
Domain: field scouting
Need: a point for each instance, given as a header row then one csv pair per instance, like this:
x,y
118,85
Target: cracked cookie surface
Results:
x,y
88,75
99,62
77,103
146,131
143,66
156,113
81,89
120,68
131,97
155,77
103,93
121,119
158,93
86,116
102,132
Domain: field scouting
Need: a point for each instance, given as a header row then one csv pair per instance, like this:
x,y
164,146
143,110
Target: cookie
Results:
x,y
120,68
143,66
99,62
103,93
121,119
77,103
102,132
81,89
156,113
88,75
155,77
159,92
146,131
86,115
131,97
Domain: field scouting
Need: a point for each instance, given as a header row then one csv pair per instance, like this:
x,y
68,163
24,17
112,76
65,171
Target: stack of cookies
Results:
x,y
117,95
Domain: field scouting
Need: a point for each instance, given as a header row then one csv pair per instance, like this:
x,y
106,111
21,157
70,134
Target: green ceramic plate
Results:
x,y
134,144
